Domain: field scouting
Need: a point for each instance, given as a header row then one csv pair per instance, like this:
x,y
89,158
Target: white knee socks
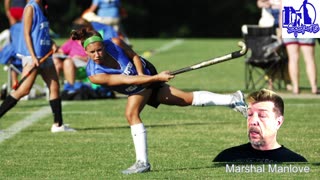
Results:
x,y
200,98
206,98
139,136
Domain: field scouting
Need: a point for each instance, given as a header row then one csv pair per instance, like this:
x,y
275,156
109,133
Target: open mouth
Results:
x,y
97,60
254,132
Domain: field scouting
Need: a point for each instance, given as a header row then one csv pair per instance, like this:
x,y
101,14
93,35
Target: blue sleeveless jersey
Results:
x,y
106,31
39,33
126,67
107,8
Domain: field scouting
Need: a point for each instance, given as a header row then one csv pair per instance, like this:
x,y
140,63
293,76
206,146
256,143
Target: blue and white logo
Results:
x,y
300,19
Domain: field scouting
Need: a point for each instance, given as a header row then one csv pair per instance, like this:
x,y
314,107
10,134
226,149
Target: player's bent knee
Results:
x,y
132,117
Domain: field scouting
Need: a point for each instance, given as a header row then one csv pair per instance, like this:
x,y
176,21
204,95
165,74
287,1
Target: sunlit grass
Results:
x,y
182,141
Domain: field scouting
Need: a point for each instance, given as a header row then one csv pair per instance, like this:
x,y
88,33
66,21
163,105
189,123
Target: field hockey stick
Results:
x,y
43,59
216,60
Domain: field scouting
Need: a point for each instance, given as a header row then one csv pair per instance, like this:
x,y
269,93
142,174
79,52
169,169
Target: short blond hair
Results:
x,y
267,95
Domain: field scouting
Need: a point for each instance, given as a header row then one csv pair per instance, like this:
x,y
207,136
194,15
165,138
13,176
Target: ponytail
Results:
x,y
83,34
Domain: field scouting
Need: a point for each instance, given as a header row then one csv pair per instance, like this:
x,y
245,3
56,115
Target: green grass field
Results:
x,y
182,141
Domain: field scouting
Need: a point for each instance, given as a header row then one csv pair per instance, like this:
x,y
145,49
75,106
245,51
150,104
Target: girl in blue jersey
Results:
x,y
36,43
14,10
109,12
114,64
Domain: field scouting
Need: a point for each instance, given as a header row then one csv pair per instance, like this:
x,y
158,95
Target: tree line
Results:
x,y
164,19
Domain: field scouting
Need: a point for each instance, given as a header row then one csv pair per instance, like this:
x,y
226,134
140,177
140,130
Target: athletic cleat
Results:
x,y
138,167
239,104
63,128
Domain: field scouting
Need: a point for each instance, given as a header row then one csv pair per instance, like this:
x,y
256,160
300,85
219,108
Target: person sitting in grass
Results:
x,y
265,117
113,64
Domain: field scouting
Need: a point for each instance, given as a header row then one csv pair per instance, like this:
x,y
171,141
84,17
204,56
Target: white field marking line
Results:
x,y
24,123
169,45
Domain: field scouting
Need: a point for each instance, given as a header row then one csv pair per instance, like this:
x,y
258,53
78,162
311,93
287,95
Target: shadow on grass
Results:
x,y
315,163
121,127
220,165
34,105
182,169
215,165
147,126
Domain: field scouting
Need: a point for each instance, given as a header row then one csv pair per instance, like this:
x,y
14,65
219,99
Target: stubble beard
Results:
x,y
257,143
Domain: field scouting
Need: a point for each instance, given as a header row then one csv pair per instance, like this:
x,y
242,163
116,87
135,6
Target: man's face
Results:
x,y
262,123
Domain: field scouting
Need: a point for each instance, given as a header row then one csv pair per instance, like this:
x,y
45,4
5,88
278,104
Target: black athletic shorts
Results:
x,y
154,86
